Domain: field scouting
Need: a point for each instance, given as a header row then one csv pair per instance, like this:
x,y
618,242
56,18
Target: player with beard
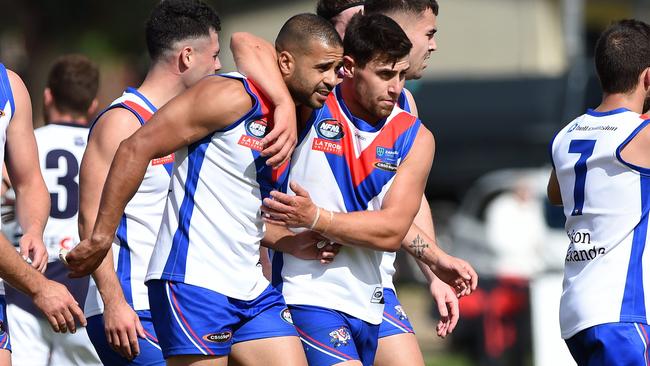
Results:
x,y
396,332
338,145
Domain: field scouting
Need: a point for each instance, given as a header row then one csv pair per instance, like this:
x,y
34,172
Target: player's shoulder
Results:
x,y
114,125
116,117
220,84
425,136
644,132
223,95
14,79
16,84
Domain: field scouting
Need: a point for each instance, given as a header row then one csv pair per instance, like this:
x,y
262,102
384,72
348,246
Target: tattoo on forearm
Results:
x,y
419,245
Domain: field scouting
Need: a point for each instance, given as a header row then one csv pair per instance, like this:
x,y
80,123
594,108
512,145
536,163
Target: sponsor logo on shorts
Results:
x,y
2,113
330,129
3,328
340,337
401,314
378,295
220,337
256,127
164,160
286,316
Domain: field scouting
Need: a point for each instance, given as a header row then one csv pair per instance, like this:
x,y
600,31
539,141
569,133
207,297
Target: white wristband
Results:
x,y
313,224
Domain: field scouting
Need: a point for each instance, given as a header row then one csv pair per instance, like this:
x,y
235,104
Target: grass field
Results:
x,y
417,301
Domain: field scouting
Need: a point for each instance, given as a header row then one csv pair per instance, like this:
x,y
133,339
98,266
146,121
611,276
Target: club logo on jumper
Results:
x,y
220,337
78,141
255,131
286,316
401,314
164,160
378,295
340,337
330,129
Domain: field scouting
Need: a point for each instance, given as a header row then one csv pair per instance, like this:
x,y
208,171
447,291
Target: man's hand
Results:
x,y
32,247
447,303
310,245
59,307
123,327
281,141
328,251
84,259
455,272
292,211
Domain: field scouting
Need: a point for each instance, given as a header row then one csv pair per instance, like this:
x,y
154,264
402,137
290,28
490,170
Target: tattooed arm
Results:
x,y
456,272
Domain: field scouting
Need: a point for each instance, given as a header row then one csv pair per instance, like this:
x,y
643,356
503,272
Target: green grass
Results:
x,y
446,359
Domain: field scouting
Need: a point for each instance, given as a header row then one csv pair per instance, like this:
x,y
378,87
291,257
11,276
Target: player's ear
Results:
x,y
93,107
286,62
348,66
47,97
646,79
186,58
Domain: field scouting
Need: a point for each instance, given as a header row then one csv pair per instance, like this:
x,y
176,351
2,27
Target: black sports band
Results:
x,y
351,5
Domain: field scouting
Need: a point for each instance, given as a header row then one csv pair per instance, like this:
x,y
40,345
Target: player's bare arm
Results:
x,y
637,151
210,105
553,190
254,57
32,197
445,297
122,324
380,230
424,221
451,270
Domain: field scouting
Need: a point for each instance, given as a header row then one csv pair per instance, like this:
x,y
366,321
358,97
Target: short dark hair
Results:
x,y
73,82
622,53
177,20
328,9
388,7
301,29
375,36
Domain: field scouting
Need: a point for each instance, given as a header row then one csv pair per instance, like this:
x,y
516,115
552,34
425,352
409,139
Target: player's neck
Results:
x,y
633,102
54,116
357,110
160,86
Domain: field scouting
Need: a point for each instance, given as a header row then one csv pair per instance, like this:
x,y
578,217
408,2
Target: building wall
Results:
x,y
476,38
